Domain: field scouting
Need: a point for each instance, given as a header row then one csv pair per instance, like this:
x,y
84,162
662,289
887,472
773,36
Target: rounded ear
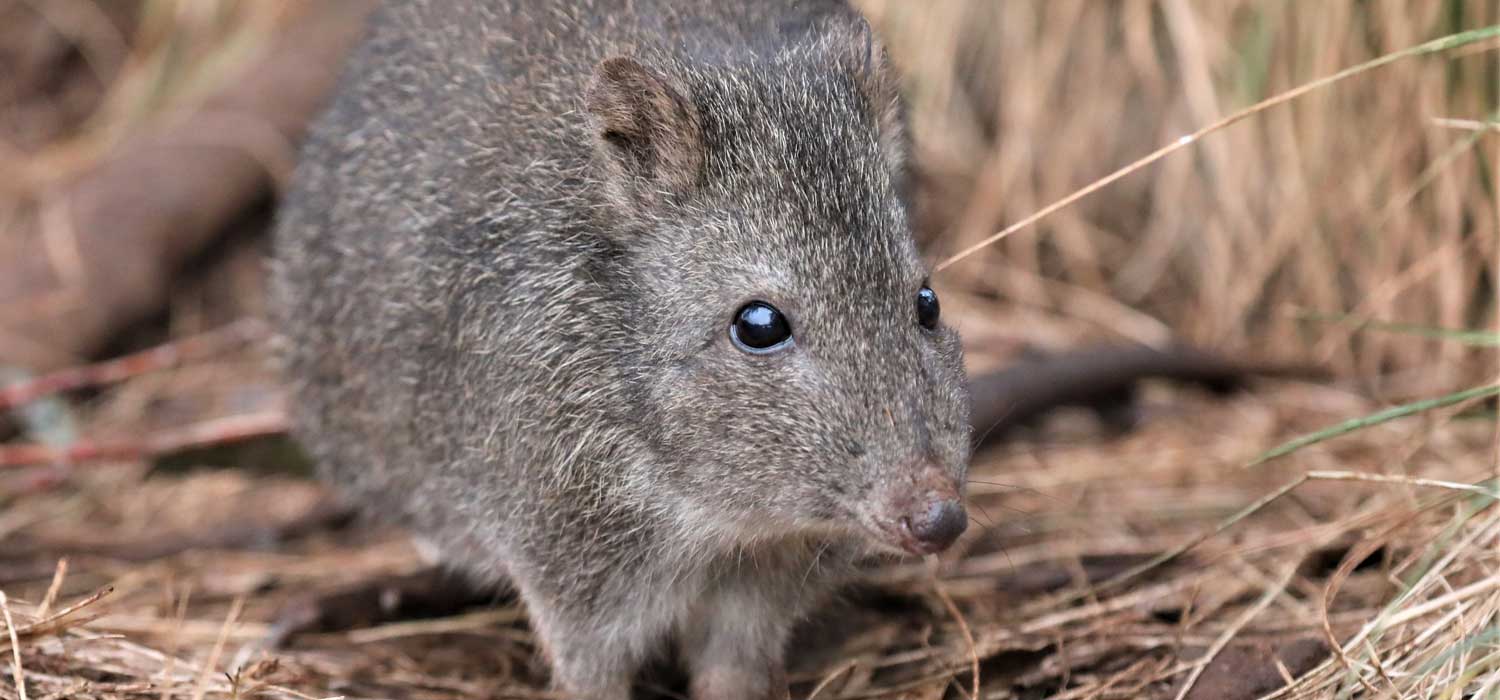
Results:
x,y
648,131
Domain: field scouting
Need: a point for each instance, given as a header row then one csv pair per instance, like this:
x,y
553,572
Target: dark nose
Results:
x,y
937,526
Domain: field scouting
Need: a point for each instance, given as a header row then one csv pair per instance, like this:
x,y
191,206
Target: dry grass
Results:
x,y
1398,571
1357,199
1376,199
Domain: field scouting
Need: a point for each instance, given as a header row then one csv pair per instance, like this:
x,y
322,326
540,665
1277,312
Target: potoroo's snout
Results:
x,y
922,513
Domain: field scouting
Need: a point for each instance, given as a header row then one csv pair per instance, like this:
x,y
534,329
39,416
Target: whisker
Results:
x,y
986,513
985,436
983,528
1013,509
1008,561
1014,487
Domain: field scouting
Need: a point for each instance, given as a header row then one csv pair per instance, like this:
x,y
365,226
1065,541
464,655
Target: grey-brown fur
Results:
x,y
505,275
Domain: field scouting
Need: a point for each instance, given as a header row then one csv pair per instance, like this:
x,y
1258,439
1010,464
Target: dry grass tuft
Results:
x,y
1153,565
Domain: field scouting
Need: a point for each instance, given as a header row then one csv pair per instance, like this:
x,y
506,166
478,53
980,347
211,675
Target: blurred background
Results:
x,y
1370,200
143,143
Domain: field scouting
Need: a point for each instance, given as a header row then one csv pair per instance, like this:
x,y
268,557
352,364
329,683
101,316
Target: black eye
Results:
x,y
760,328
927,308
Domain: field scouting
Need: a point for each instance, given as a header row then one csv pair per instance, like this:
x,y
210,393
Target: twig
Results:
x,y
212,432
457,623
52,622
297,695
53,588
15,647
963,625
1445,43
201,688
161,357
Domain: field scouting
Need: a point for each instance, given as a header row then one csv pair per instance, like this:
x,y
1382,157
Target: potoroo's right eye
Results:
x,y
760,328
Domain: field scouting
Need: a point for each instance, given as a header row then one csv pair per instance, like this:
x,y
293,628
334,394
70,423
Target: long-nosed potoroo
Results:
x,y
618,301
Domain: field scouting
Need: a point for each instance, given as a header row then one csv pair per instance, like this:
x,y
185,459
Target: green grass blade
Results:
x,y
1374,419
1475,338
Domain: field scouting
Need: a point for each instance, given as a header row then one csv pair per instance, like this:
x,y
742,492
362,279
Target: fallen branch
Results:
x,y
99,252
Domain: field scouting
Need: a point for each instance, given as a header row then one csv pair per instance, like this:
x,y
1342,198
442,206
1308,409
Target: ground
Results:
x,y
1032,595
